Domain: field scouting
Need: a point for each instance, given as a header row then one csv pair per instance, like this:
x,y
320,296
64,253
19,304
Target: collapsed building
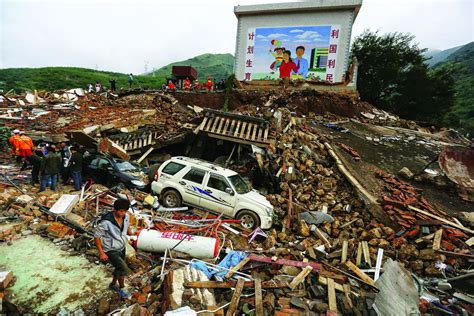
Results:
x,y
371,213
348,226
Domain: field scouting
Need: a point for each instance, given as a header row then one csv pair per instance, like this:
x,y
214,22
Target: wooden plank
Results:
x,y
260,133
324,281
209,124
437,239
425,238
359,254
347,292
255,128
345,245
237,267
300,277
455,254
214,126
365,250
258,298
242,131
290,208
203,124
378,264
285,262
265,134
226,126
364,277
236,132
249,131
238,140
440,219
332,296
231,129
235,298
321,236
273,284
221,123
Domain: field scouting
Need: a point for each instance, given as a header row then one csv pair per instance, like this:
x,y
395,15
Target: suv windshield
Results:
x,y
239,184
125,166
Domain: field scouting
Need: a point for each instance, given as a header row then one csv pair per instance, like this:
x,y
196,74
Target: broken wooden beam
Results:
x,y
285,262
230,284
300,277
364,277
235,298
332,295
437,239
237,267
258,298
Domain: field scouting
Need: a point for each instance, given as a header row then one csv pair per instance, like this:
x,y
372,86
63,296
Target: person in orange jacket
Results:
x,y
209,84
25,145
13,140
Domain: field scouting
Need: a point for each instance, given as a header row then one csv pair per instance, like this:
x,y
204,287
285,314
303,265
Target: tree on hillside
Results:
x,y
393,76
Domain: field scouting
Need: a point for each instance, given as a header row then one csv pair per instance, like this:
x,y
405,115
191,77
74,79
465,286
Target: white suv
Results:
x,y
183,180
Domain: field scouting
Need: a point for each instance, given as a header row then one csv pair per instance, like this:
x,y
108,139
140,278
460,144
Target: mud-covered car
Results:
x,y
111,171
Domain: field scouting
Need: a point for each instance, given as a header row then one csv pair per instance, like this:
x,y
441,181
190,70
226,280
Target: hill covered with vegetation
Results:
x,y
54,78
461,63
218,66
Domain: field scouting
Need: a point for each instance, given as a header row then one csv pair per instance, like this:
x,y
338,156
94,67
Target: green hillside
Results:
x,y
436,56
218,66
462,63
54,78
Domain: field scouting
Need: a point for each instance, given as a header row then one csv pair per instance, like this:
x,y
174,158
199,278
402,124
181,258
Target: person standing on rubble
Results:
x,y
49,170
130,80
25,144
75,165
111,241
209,84
13,140
187,84
35,162
65,152
113,85
98,87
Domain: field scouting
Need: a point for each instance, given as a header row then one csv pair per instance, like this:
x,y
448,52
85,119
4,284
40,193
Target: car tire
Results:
x,y
248,219
171,198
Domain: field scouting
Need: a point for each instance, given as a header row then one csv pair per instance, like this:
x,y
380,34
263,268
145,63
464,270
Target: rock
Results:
x,y
416,265
431,270
408,251
375,233
430,255
406,173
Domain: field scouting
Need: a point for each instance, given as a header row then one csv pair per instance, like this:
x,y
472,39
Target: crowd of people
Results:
x,y
171,86
49,163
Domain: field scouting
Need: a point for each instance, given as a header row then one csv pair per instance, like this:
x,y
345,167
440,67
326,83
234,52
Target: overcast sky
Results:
x,y
120,35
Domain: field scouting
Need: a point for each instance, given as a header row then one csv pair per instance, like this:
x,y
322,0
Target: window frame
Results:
x,y
192,170
219,177
168,164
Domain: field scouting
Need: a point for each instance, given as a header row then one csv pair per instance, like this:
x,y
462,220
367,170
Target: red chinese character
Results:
x,y
329,77
251,36
331,63
335,33
247,75
178,236
250,50
249,63
332,48
166,234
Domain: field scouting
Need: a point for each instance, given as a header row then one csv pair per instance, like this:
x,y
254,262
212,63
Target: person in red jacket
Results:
x,y
171,86
286,66
187,84
209,84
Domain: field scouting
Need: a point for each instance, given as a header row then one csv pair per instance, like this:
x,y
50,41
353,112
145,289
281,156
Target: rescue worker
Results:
x,y
197,86
111,241
171,86
25,145
14,143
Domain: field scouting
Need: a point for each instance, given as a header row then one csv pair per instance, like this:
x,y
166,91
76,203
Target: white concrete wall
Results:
x,y
343,18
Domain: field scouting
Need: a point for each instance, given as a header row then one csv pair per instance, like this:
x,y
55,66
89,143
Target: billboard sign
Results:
x,y
296,52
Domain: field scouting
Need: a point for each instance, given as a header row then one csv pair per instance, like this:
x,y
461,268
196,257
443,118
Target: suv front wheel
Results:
x,y
248,219
171,198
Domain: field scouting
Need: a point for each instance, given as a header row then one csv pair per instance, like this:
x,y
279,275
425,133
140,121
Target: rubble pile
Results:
x,y
327,253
